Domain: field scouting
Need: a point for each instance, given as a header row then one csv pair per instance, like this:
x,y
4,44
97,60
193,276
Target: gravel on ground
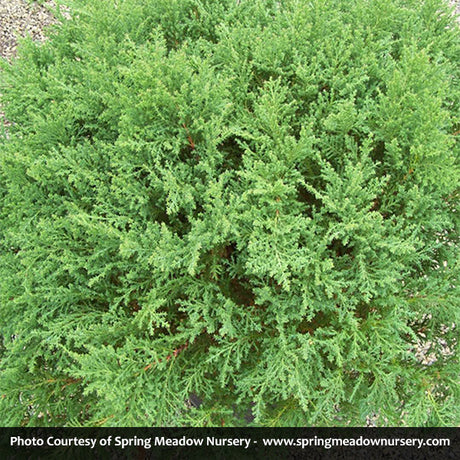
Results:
x,y
19,18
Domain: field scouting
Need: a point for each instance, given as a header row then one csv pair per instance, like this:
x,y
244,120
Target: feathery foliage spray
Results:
x,y
254,202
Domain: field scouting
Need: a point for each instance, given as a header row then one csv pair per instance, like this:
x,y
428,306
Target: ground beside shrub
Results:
x,y
253,204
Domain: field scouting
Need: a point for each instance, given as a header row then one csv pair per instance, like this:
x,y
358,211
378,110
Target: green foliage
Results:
x,y
255,202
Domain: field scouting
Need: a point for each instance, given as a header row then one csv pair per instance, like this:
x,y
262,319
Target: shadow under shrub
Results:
x,y
212,209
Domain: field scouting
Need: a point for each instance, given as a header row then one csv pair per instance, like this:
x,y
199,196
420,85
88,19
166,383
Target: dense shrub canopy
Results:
x,y
253,202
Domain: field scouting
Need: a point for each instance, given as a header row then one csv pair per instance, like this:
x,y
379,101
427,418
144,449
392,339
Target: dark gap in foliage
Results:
x,y
275,285
309,326
244,413
357,136
268,109
324,87
216,262
233,151
194,401
396,46
189,155
340,249
240,291
176,317
179,222
133,306
228,250
141,174
376,204
156,212
184,220
83,130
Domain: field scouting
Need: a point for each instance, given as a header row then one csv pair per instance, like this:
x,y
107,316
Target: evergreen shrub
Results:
x,y
218,208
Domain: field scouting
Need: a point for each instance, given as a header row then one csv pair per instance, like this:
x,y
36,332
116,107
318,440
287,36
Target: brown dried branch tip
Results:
x,y
21,18
233,233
